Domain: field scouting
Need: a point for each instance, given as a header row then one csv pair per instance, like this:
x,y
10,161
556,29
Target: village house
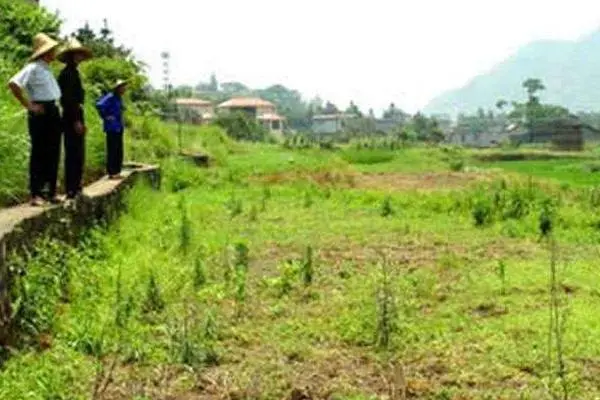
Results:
x,y
195,110
326,124
263,111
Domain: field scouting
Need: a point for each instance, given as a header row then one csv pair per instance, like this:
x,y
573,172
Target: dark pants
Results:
x,y
74,158
114,152
45,133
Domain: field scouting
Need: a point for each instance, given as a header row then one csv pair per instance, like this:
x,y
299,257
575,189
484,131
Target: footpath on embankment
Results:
x,y
21,226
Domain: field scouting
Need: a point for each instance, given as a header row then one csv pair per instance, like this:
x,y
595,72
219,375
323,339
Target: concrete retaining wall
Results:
x,y
22,226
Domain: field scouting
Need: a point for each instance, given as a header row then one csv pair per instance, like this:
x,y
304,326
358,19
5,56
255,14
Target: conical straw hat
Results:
x,y
73,46
42,44
119,83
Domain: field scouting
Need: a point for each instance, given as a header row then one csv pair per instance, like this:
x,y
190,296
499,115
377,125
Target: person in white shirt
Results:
x,y
38,91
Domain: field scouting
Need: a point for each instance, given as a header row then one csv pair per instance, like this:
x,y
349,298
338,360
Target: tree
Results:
x,y
289,103
102,43
330,108
20,21
533,86
395,113
213,86
317,105
500,104
533,114
420,125
353,109
533,111
232,88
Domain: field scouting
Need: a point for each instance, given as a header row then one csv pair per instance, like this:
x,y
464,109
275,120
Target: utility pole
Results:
x,y
166,61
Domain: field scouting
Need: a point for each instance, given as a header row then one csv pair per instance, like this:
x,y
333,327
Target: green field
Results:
x,y
311,274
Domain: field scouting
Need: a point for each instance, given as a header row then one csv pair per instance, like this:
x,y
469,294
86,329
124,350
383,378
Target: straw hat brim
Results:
x,y
63,55
120,83
47,47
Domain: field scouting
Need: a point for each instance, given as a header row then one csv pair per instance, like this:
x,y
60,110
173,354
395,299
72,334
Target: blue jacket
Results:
x,y
110,108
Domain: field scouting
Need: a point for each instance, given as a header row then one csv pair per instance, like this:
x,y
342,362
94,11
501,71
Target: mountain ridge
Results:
x,y
570,71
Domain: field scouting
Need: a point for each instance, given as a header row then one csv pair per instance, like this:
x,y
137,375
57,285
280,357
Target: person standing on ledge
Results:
x,y
110,108
72,101
37,90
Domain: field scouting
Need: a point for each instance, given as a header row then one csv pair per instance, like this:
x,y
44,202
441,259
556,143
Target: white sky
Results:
x,y
372,52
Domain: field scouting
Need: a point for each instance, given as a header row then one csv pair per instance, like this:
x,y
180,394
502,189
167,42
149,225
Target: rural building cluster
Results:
x,y
203,111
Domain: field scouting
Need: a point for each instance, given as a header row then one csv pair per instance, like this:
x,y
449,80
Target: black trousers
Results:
x,y
45,133
114,152
74,158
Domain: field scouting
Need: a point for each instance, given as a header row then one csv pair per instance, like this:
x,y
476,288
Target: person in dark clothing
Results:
x,y
72,101
110,108
37,90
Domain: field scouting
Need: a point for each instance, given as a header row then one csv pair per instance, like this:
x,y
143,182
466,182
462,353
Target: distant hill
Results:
x,y
570,71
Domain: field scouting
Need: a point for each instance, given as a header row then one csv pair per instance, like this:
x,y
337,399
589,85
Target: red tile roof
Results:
x,y
192,102
246,102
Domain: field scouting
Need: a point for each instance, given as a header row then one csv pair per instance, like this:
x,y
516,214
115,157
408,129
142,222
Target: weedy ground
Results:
x,y
306,274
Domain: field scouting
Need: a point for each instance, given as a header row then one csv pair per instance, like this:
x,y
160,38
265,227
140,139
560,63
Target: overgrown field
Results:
x,y
307,274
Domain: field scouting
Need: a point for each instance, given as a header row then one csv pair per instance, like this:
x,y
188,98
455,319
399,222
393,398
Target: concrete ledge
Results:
x,y
23,225
201,160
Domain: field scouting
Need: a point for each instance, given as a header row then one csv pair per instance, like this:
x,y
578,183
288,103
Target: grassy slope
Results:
x,y
457,335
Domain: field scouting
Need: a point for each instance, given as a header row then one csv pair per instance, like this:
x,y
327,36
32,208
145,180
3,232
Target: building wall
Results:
x,y
386,125
264,110
479,140
324,126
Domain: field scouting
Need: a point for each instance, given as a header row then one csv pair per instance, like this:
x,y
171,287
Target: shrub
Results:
x,y
240,126
368,157
154,301
386,207
482,213
20,21
457,164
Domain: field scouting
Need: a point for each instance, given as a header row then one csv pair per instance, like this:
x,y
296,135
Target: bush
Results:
x,y
482,213
100,74
240,126
457,165
368,156
20,21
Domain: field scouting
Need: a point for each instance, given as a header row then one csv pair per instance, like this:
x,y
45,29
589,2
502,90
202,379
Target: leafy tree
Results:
x,y
500,104
289,103
353,109
102,73
330,108
317,105
102,43
241,126
20,21
533,86
232,88
533,114
420,125
395,113
183,91
214,84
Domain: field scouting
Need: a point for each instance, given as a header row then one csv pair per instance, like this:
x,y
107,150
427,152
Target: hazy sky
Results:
x,y
372,52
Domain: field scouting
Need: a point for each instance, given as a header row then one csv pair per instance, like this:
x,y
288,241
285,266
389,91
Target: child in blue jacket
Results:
x,y
110,108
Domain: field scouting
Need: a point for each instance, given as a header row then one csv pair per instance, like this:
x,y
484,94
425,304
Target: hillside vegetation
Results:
x,y
147,138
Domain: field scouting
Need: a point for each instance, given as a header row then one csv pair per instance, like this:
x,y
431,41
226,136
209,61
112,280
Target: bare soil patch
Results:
x,y
391,181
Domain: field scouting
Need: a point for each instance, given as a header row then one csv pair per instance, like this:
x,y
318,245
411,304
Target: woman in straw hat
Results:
x,y
110,108
37,90
72,100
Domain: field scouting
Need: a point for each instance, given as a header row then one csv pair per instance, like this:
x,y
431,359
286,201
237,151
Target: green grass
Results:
x,y
571,172
167,297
